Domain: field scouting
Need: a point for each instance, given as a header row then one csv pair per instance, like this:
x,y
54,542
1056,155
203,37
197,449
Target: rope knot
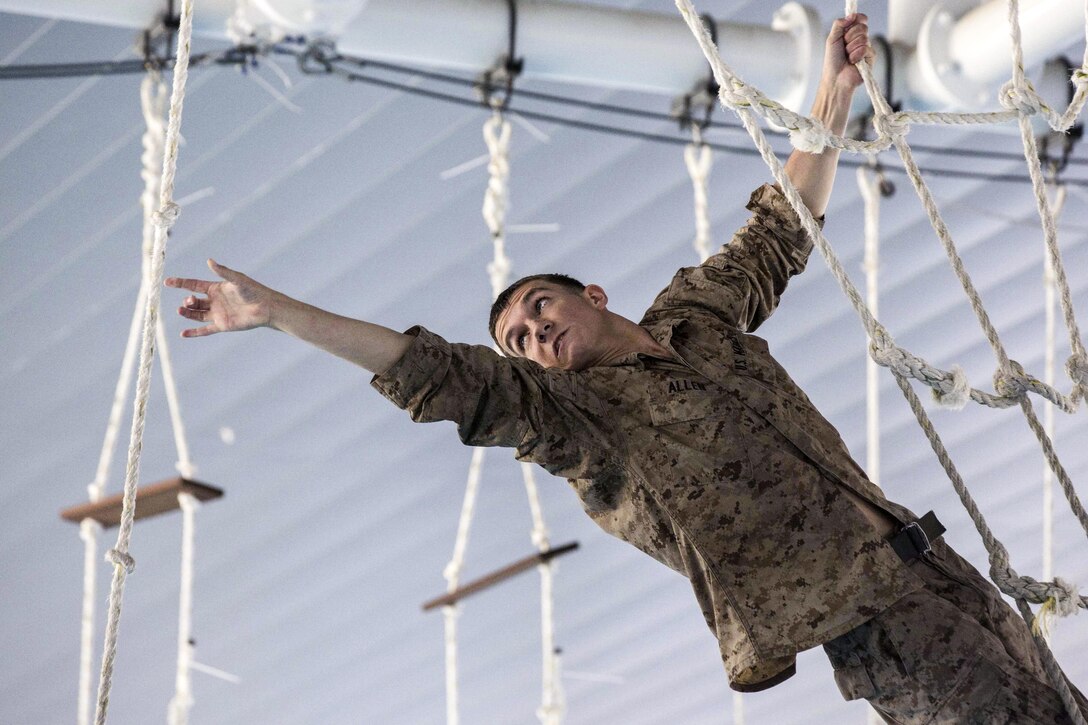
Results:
x,y
1012,382
1077,367
166,216
122,559
812,138
892,125
1020,98
884,351
955,390
740,95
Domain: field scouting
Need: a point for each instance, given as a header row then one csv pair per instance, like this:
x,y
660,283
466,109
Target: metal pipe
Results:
x,y
560,41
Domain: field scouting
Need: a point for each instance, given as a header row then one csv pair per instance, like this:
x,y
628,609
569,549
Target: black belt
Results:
x,y
913,540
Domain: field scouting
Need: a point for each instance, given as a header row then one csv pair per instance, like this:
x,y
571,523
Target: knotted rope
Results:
x,y
1010,381
163,219
699,160
496,133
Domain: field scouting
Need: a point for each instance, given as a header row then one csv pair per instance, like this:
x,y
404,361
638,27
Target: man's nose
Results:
x,y
542,331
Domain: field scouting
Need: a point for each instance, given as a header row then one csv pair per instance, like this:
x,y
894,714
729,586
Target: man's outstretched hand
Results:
x,y
236,303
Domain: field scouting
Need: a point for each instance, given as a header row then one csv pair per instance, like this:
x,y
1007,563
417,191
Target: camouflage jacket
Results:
x,y
715,463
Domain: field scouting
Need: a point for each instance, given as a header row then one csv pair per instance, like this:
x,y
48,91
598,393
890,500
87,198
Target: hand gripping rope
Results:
x,y
1011,383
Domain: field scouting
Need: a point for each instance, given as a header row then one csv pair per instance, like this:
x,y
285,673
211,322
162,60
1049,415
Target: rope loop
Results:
x,y
122,559
166,216
1021,98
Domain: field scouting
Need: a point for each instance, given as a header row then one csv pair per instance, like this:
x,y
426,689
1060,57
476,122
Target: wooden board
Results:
x,y
151,500
495,577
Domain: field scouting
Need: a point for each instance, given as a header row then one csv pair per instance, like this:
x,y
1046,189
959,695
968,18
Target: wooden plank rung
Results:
x,y
151,500
490,580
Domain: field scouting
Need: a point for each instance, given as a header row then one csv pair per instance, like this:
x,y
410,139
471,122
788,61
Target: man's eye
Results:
x,y
540,303
521,343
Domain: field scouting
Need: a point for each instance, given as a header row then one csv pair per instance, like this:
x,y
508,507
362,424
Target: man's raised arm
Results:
x,y
847,44
240,303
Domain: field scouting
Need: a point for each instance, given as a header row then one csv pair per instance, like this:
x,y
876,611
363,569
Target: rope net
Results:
x,y
1011,383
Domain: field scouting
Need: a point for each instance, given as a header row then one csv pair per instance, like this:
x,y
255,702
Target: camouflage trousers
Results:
x,y
952,652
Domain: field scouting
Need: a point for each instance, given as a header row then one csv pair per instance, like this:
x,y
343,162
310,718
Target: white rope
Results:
x,y
869,183
496,198
88,531
452,573
869,187
1010,382
164,218
1048,412
182,701
551,707
184,464
153,105
699,160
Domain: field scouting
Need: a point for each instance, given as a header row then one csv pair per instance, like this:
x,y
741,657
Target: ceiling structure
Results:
x,y
340,513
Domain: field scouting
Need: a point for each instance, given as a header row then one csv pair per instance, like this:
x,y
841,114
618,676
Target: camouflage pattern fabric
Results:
x,y
713,462
952,652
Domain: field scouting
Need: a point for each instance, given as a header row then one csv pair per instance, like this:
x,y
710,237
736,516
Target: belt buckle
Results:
x,y
918,537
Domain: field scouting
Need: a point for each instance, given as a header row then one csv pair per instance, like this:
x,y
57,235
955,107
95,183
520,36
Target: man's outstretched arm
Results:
x,y
847,44
241,303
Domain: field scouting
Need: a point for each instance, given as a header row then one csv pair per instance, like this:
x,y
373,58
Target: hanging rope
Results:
x,y
496,132
870,187
182,701
153,104
1010,382
164,219
699,160
1048,413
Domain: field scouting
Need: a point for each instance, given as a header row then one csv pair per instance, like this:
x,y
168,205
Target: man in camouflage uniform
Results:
x,y
683,436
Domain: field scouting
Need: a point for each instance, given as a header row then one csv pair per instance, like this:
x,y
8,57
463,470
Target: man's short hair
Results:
x,y
503,300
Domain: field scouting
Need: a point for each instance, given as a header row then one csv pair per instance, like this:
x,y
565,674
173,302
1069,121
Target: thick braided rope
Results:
x,y
878,335
182,701
699,160
164,218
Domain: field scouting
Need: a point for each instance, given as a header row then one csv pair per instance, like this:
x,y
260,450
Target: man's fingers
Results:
x,y
193,313
225,272
200,331
193,285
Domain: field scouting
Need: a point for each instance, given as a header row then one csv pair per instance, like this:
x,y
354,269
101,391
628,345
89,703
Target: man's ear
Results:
x,y
596,295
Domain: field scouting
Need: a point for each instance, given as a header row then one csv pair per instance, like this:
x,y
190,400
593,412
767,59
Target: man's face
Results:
x,y
553,326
